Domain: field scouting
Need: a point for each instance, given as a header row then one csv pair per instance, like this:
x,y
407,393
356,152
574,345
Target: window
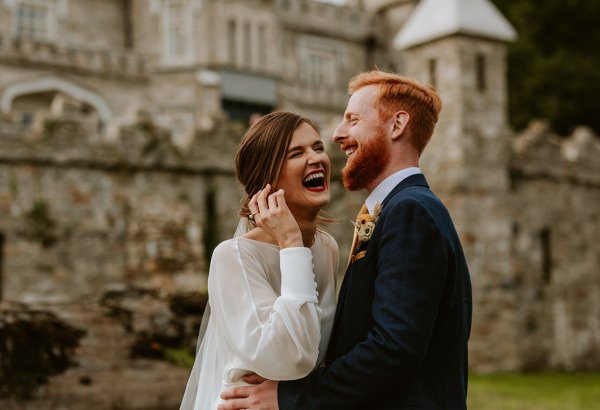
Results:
x,y
320,61
247,44
432,73
546,252
178,32
262,46
319,68
232,41
2,239
32,20
480,67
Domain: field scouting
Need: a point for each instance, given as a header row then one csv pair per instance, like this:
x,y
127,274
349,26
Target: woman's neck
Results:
x,y
308,229
307,222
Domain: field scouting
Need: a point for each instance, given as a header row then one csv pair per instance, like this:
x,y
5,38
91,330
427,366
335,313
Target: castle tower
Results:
x,y
459,46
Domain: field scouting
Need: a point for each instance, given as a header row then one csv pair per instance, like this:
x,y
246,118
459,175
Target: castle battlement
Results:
x,y
66,143
539,152
113,63
312,16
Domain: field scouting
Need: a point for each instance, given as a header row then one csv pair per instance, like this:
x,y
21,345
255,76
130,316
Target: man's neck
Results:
x,y
390,170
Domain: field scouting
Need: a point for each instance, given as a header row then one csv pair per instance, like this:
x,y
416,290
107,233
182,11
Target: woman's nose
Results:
x,y
314,157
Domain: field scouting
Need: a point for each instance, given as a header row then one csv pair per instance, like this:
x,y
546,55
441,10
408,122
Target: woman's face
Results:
x,y
306,171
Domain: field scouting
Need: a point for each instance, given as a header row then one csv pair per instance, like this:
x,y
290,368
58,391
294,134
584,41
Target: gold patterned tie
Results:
x,y
362,211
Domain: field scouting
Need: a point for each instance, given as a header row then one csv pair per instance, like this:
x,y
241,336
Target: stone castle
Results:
x,y
118,131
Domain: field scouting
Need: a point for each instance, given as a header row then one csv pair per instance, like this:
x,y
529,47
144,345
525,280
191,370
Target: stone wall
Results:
x,y
555,229
24,365
79,215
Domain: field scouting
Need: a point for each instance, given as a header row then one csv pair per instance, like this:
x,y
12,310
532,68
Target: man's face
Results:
x,y
363,138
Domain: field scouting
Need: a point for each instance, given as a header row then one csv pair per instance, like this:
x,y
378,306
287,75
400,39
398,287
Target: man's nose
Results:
x,y
339,135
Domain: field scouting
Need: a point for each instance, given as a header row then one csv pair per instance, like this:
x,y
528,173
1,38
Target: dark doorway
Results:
x,y
2,237
242,111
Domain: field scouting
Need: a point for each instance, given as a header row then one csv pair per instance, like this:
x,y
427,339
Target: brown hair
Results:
x,y
399,93
263,150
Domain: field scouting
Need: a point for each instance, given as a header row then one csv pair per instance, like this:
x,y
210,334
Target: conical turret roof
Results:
x,y
434,19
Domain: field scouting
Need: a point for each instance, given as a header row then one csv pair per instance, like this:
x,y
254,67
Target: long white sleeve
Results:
x,y
273,328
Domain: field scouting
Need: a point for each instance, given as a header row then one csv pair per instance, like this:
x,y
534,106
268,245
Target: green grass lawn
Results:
x,y
545,391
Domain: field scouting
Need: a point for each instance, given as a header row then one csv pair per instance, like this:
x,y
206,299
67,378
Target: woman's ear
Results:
x,y
400,121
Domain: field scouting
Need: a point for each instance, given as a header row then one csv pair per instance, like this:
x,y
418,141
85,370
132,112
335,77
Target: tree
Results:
x,y
554,66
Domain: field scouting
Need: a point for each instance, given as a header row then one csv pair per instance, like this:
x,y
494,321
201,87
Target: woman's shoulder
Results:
x,y
225,248
325,240
241,246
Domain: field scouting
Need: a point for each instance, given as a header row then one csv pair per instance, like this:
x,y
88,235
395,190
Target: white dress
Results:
x,y
270,315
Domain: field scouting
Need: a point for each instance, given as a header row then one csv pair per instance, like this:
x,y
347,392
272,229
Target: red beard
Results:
x,y
367,163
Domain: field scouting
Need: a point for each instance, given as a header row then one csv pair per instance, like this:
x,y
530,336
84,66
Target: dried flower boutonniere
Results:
x,y
365,224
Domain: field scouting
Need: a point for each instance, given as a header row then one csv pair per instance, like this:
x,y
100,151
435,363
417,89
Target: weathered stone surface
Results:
x,y
34,346
554,208
158,321
106,376
116,173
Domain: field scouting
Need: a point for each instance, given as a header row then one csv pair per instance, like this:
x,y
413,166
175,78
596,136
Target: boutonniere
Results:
x,y
365,224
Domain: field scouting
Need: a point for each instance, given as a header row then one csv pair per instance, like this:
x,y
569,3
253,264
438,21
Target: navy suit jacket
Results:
x,y
400,334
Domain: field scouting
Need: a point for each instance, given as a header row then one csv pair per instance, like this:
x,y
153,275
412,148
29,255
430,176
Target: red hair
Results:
x,y
399,93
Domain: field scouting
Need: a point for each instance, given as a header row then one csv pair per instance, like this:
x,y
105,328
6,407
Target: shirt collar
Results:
x,y
387,185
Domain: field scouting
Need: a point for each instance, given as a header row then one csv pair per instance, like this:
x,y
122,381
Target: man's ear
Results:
x,y
400,121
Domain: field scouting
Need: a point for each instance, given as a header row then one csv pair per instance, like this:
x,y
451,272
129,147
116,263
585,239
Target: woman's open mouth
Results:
x,y
315,181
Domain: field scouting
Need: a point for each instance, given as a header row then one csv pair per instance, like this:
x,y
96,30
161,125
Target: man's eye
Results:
x,y
319,148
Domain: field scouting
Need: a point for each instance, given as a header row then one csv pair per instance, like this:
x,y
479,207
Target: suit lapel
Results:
x,y
413,180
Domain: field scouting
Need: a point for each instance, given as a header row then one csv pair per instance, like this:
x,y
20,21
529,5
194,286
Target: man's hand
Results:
x,y
262,396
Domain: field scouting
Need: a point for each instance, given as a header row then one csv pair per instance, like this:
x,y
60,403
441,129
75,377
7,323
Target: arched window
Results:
x,y
44,91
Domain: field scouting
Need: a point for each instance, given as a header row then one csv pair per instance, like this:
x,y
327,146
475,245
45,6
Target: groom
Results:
x,y
404,313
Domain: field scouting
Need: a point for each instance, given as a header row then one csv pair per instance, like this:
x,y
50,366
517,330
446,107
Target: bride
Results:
x,y
272,288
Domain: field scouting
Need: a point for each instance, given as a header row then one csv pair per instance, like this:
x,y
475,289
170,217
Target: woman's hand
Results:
x,y
272,215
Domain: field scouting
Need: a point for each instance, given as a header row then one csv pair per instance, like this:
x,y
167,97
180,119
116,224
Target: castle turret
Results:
x,y
459,46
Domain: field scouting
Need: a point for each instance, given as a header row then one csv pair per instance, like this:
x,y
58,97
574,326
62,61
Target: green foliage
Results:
x,y
39,225
181,357
13,186
554,66
543,391
51,125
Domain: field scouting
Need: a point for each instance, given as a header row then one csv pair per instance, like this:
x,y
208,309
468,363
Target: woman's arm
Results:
x,y
275,336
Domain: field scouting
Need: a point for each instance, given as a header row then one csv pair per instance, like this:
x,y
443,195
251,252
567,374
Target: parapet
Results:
x,y
66,142
123,64
338,21
540,152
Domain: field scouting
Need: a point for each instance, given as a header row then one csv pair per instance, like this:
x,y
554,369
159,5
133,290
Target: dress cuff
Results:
x,y
297,276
